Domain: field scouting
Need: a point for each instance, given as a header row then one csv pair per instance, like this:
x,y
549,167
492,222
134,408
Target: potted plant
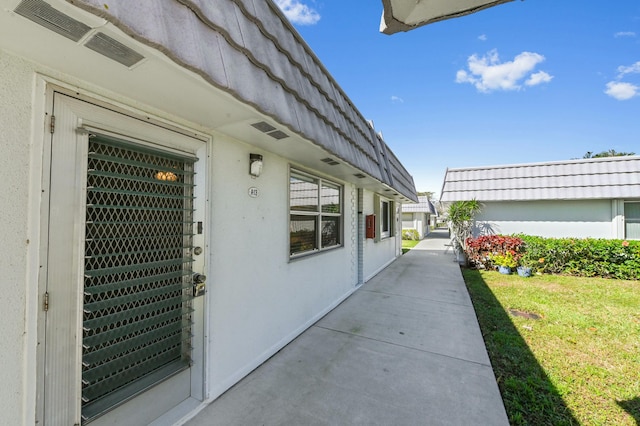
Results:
x,y
526,265
505,261
524,270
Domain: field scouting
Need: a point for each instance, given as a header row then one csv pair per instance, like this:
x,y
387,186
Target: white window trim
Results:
x,y
391,218
318,215
385,209
624,219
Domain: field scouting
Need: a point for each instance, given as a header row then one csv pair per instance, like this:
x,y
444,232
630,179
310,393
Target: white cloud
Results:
x,y
538,78
625,34
622,91
631,69
482,37
397,100
487,73
298,12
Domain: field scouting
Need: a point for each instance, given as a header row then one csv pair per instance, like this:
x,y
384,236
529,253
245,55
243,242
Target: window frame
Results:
x,y
385,219
318,214
380,205
626,221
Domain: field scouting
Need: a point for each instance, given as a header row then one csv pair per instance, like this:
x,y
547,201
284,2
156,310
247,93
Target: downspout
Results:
x,y
360,237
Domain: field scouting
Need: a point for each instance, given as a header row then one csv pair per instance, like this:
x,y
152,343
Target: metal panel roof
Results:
x,y
593,178
424,205
405,15
250,50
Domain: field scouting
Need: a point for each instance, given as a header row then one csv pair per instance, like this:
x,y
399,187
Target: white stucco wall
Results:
x,y
16,91
379,254
562,218
259,298
418,221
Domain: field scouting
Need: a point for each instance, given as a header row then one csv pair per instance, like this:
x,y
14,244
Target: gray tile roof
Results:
x,y
250,50
423,206
594,178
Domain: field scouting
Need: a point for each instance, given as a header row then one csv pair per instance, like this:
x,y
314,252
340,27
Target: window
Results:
x,y
632,220
315,219
385,215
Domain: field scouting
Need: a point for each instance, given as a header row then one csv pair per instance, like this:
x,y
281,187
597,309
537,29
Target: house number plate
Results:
x,y
253,192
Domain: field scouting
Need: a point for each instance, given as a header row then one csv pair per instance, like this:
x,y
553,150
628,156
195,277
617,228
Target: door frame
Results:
x,y
102,113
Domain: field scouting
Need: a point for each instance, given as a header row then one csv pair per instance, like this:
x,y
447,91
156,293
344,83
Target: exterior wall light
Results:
x,y
172,177
255,164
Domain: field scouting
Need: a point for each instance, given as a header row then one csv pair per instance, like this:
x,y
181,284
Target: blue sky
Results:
x,y
526,81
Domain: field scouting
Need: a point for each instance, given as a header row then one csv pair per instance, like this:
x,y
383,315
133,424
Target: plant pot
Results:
x,y
504,270
524,271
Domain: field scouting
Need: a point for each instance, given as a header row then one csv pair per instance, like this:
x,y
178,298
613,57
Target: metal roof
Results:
x,y
405,15
424,205
593,178
250,50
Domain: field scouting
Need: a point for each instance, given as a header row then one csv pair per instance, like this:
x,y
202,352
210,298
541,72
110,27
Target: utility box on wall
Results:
x,y
370,226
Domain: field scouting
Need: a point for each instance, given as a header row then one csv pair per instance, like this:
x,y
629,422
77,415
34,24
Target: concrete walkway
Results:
x,y
405,349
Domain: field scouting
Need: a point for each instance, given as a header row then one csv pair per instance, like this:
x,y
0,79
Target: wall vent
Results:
x,y
41,13
113,49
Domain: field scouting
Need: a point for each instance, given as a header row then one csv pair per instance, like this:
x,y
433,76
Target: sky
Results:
x,y
526,81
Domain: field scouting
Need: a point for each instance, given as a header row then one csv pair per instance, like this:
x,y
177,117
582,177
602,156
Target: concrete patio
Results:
x,y
405,349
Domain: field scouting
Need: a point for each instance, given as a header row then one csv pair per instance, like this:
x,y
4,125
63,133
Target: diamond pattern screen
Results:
x,y
138,268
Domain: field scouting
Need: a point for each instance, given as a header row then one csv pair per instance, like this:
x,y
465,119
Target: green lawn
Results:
x,y
408,245
579,363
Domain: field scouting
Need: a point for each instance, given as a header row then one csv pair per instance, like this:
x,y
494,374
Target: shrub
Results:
x,y
410,234
506,260
587,257
482,250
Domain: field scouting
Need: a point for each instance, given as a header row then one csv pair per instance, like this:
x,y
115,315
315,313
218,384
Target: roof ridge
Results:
x,y
551,163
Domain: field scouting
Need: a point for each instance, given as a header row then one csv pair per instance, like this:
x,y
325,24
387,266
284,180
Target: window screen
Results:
x,y
315,217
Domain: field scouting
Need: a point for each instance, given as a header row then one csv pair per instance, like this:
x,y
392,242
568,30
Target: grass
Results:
x,y
408,245
579,363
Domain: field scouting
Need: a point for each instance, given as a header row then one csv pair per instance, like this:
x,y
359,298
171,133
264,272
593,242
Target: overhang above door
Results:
x,y
405,15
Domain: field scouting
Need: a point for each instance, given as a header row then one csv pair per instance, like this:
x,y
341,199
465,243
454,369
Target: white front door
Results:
x,y
120,321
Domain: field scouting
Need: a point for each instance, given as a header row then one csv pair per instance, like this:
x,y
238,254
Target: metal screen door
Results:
x,y
137,271
119,317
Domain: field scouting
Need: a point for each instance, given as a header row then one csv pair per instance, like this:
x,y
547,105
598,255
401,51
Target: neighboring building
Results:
x,y
419,216
596,197
146,145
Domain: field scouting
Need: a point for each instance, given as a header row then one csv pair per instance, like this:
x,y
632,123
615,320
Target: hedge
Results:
x,y
586,257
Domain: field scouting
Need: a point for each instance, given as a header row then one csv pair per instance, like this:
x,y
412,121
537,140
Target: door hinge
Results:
x,y
45,301
52,124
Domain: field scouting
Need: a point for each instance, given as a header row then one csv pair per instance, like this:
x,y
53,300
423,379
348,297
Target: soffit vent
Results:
x,y
278,134
330,161
267,128
264,127
360,175
113,49
41,13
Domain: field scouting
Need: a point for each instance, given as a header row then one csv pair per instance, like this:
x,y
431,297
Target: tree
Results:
x,y
461,215
609,153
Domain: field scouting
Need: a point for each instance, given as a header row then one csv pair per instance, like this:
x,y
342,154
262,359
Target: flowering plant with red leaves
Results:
x,y
482,250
